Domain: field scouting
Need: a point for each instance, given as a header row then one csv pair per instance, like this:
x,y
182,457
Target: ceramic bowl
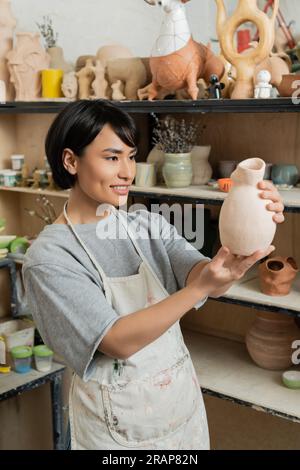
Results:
x,y
286,86
291,379
225,184
226,167
285,174
5,240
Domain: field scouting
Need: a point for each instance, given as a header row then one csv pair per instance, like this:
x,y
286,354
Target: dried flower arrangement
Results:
x,y
176,136
47,31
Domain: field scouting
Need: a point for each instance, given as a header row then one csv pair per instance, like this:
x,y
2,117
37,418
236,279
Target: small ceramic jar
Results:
x,y
177,170
10,178
17,161
285,174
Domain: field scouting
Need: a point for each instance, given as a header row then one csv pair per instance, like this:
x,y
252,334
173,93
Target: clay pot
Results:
x,y
177,170
245,224
226,167
286,86
269,340
157,156
202,171
276,275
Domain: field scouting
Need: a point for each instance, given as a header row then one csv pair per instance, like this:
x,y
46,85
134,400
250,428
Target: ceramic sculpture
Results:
x,y
263,88
177,61
70,86
110,52
25,63
245,64
202,171
245,224
132,73
7,27
276,275
117,91
100,84
86,77
57,60
2,91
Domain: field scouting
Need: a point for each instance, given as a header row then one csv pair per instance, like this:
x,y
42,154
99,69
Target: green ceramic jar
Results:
x,y
177,170
285,174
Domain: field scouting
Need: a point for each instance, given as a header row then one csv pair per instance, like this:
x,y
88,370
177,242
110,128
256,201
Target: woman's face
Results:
x,y
107,168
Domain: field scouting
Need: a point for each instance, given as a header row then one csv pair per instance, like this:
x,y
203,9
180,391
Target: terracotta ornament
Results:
x,y
7,27
25,63
117,91
269,340
132,73
86,77
111,52
177,61
245,64
100,84
69,86
276,275
245,224
81,61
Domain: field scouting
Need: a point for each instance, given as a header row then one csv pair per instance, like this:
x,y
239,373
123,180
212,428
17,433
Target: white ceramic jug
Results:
x,y
245,224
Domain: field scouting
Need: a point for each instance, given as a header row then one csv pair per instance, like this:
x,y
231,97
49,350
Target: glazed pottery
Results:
x,y
245,224
288,85
276,275
7,27
285,174
157,156
177,170
269,340
202,171
226,167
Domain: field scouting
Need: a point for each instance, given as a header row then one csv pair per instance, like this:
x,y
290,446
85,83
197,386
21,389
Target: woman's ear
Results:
x,y
69,161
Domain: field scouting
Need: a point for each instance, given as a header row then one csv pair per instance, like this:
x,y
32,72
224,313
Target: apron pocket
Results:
x,y
143,411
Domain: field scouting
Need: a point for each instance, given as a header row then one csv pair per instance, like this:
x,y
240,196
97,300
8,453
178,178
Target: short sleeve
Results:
x,y
70,312
183,256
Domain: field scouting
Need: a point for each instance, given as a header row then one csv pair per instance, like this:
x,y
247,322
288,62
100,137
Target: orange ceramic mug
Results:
x,y
225,184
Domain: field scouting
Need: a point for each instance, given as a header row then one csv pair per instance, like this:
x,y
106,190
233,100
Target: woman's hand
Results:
x,y
217,276
270,192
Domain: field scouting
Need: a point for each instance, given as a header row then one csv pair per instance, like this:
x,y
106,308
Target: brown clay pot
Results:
x,y
276,275
269,340
286,86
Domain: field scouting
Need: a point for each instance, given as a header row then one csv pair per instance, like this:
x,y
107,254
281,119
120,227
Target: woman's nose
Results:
x,y
126,169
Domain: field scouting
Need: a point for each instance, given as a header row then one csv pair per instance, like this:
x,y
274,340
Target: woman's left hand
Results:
x,y
270,192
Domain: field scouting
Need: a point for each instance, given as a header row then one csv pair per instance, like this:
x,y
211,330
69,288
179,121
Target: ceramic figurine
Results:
x,y
81,61
117,91
245,64
269,340
215,88
110,52
202,170
245,224
132,73
70,86
100,84
7,27
276,275
85,79
177,61
25,63
263,88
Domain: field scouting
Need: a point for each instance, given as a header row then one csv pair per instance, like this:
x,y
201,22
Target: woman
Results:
x,y
110,304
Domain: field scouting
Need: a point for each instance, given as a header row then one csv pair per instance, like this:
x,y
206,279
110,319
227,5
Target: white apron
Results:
x,y
152,400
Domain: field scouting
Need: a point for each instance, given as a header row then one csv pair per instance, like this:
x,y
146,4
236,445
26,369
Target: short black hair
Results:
x,y
77,126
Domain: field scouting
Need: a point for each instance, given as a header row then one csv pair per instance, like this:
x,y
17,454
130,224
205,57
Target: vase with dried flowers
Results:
x,y
176,138
50,38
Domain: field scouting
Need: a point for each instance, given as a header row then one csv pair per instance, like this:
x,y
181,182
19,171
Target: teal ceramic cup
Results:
x,y
285,174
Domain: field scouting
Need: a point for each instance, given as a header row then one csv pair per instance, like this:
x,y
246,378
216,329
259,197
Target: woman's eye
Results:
x,y
132,157
109,158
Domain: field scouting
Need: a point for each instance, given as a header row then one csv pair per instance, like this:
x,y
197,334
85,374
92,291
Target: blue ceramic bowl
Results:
x,y
285,174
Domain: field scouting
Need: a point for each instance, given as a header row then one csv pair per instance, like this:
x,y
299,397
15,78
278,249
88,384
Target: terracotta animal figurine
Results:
x,y
132,73
177,61
245,64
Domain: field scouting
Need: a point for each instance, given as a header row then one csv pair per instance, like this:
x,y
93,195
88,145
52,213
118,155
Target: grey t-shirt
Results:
x,y
64,290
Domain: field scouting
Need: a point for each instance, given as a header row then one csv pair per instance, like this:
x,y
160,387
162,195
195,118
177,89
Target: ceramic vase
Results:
x,y
202,171
269,340
57,60
285,174
157,157
226,167
7,27
276,275
245,224
25,63
177,170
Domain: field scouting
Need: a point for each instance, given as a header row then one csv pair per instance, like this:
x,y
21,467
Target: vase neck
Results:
x,y
249,172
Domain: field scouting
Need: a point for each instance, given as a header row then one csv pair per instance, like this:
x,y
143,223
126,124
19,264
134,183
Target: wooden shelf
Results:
x,y
247,293
194,194
225,370
275,105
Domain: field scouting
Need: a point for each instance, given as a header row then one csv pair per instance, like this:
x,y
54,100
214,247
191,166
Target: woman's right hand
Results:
x,y
224,269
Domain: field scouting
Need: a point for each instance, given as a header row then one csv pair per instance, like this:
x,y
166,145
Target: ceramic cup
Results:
x,y
145,175
285,174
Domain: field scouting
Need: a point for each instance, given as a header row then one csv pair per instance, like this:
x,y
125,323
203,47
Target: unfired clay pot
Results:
x,y
202,171
245,224
276,275
269,340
